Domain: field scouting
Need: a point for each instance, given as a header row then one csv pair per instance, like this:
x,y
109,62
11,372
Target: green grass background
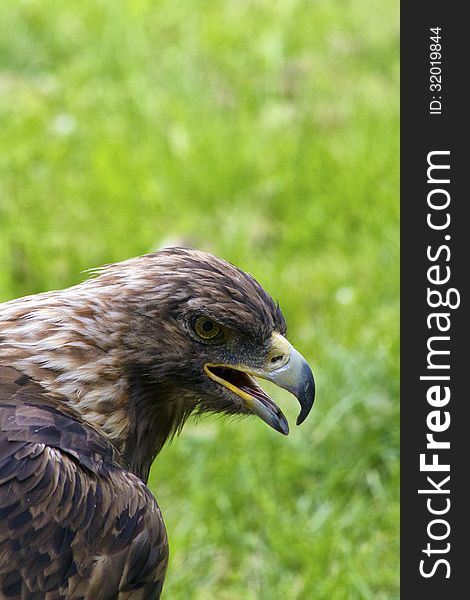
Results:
x,y
266,132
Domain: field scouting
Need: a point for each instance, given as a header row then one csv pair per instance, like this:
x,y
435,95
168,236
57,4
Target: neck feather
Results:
x,y
61,340
156,416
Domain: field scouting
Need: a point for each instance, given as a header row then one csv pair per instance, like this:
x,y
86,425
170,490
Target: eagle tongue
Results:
x,y
256,392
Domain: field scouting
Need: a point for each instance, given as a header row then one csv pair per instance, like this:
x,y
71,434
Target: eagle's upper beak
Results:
x,y
285,367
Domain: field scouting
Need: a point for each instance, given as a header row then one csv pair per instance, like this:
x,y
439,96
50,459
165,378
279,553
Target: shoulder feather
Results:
x,y
74,522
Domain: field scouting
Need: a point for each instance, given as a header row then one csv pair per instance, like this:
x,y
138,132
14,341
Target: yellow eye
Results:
x,y
206,328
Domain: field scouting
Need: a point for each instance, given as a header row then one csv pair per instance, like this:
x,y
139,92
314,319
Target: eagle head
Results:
x,y
203,331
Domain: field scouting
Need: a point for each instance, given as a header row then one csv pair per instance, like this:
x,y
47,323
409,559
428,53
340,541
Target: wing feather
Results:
x,y
74,522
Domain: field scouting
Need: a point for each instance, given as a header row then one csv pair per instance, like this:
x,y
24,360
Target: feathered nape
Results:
x,y
60,339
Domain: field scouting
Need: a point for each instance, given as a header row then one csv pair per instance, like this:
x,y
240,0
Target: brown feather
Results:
x,y
74,522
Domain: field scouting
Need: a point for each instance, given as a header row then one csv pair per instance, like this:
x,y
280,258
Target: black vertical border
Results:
x,y
420,134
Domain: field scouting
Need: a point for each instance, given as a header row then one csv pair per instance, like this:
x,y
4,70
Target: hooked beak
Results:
x,y
285,367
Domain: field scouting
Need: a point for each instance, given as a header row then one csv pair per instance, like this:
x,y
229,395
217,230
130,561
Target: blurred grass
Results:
x,y
267,133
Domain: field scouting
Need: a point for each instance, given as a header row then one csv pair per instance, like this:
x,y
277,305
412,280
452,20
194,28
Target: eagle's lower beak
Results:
x,y
285,367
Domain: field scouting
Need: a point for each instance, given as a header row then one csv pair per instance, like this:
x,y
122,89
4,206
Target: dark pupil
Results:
x,y
207,326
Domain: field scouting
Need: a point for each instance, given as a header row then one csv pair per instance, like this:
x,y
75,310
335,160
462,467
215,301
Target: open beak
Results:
x,y
283,366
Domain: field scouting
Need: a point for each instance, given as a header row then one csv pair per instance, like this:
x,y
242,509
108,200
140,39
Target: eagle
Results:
x,y
94,379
